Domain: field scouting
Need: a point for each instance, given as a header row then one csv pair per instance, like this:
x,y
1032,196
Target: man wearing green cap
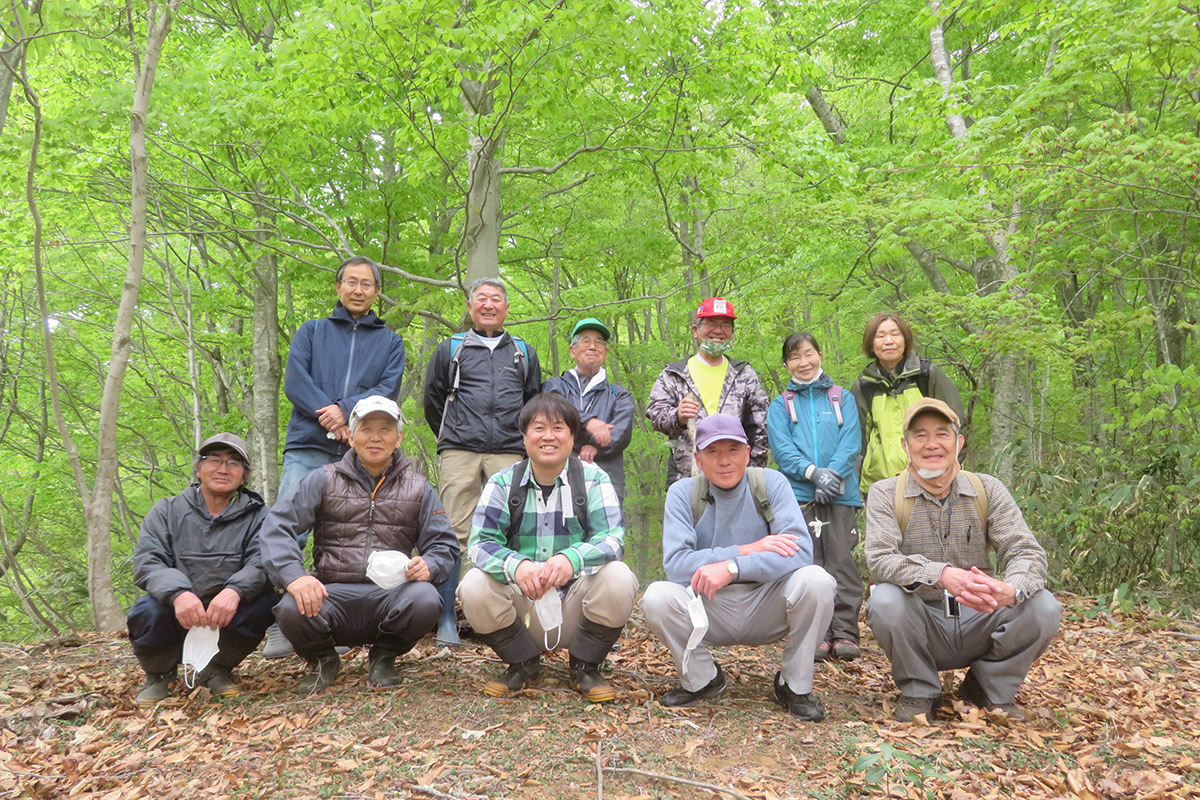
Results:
x,y
605,408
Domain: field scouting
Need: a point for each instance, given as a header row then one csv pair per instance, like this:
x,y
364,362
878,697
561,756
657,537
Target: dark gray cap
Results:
x,y
227,441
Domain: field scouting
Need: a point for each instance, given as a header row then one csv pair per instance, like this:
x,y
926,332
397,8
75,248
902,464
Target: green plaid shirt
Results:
x,y
545,530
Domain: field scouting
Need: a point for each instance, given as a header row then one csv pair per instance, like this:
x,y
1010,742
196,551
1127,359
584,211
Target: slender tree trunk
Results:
x,y
1008,413
265,367
106,611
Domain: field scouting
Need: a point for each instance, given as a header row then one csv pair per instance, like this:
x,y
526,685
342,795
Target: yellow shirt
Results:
x,y
708,380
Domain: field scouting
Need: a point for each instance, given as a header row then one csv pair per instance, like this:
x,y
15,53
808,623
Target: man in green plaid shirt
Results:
x,y
554,578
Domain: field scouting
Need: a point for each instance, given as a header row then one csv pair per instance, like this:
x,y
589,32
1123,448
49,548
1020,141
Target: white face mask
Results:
x,y
548,608
699,618
199,647
386,568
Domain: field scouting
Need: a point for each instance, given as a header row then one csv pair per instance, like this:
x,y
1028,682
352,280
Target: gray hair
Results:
x,y
575,339
481,282
953,425
355,261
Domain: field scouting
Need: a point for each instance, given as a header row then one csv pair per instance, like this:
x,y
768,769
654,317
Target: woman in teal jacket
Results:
x,y
814,435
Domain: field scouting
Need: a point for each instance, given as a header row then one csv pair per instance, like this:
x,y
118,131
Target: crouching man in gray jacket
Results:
x,y
738,559
372,501
197,558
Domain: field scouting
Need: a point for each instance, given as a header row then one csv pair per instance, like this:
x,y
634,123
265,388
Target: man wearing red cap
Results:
x,y
937,602
708,383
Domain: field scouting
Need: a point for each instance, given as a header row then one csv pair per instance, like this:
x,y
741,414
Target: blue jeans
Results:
x,y
296,464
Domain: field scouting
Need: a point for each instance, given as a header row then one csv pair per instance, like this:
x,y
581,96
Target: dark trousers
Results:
x,y
357,613
157,637
834,550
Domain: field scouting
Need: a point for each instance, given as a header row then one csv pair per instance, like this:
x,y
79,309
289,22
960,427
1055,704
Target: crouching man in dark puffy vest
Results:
x,y
369,509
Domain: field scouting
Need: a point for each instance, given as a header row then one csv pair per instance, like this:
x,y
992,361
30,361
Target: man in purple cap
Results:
x,y
197,557
738,559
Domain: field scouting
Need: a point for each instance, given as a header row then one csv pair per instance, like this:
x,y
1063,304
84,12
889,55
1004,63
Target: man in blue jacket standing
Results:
x,y
739,571
332,364
605,408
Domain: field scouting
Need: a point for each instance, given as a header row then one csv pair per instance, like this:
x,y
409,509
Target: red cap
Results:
x,y
715,307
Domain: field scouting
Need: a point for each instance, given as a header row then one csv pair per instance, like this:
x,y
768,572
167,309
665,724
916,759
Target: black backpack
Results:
x,y
519,490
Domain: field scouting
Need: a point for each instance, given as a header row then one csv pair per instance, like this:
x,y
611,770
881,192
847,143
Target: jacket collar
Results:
x,y
911,365
823,381
367,320
350,467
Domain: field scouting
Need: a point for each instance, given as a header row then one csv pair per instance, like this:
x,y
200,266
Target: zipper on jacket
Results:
x,y
350,361
812,413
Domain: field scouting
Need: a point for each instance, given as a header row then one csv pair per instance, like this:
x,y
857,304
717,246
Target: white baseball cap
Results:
x,y
372,404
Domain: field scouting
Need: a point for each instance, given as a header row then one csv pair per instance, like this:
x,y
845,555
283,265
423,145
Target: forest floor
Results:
x,y
1113,711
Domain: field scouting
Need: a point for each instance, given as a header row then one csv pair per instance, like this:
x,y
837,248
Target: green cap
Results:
x,y
591,324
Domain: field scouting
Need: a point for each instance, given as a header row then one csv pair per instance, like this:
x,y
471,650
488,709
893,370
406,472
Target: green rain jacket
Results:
x,y
882,399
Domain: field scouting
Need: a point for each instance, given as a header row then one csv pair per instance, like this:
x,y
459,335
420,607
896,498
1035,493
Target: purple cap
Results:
x,y
718,427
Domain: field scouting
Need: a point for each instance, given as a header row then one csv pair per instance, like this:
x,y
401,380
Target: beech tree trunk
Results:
x,y
107,614
1008,413
481,235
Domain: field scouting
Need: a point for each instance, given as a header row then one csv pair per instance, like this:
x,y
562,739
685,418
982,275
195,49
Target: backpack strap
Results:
x,y
904,505
758,490
702,496
789,402
835,400
980,499
923,377
579,498
518,491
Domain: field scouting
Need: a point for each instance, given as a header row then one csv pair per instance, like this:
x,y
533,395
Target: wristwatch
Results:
x,y
733,568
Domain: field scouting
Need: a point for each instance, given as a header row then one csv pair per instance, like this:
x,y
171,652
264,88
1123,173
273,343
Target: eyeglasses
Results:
x,y
224,463
592,343
354,283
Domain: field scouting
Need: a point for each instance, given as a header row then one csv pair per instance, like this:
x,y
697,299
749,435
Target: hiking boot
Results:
x,y
973,693
908,707
323,669
680,697
157,689
521,675
822,651
846,650
586,679
277,645
382,673
807,707
219,681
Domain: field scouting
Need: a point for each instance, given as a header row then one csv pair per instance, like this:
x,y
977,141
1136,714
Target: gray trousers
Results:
x,y
999,647
798,606
356,613
834,550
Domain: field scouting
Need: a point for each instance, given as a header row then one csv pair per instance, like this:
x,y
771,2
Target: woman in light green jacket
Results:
x,y
895,378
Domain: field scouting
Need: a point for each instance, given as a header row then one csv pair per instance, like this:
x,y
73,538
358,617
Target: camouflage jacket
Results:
x,y
742,396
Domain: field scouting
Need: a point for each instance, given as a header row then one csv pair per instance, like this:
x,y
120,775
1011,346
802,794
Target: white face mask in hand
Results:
x,y
699,617
199,647
548,608
386,568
